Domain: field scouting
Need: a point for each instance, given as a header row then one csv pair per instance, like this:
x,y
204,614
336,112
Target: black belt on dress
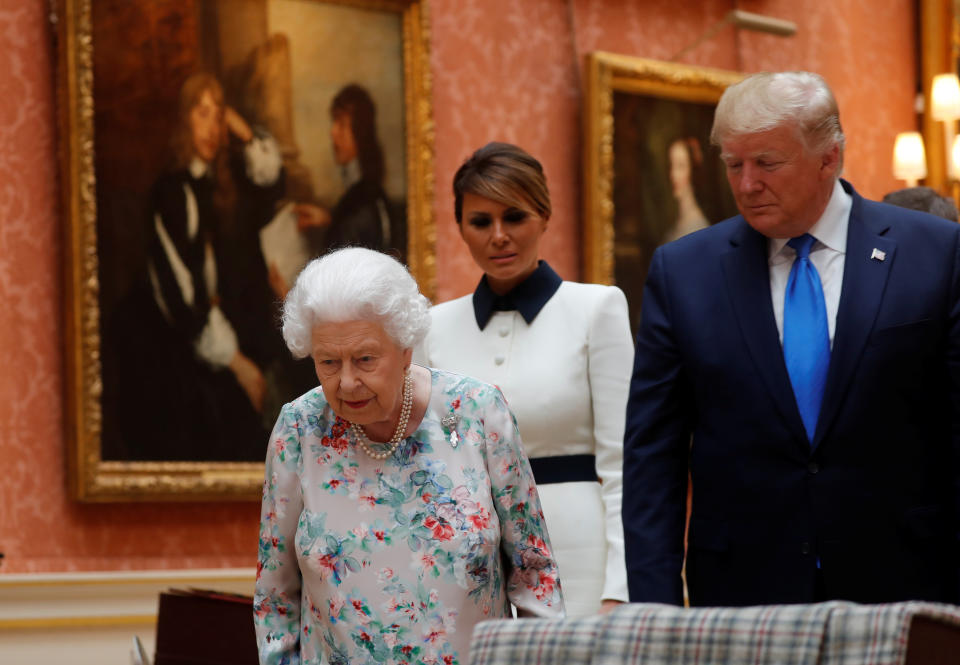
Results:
x,y
564,469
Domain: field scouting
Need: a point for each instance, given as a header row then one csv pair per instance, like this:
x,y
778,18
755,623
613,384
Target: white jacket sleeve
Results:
x,y
610,366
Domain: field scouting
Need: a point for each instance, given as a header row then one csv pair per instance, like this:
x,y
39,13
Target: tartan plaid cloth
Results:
x,y
832,633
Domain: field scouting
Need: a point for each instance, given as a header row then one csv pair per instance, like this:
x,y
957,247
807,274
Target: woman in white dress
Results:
x,y
561,353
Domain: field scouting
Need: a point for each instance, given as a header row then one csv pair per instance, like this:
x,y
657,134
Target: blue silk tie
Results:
x,y
806,337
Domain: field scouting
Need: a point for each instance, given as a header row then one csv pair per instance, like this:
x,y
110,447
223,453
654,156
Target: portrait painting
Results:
x,y
654,175
211,149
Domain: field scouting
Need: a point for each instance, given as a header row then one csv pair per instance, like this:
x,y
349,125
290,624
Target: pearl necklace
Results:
x,y
406,406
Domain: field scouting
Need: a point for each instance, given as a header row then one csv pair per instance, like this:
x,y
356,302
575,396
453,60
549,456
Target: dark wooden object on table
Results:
x,y
932,642
200,627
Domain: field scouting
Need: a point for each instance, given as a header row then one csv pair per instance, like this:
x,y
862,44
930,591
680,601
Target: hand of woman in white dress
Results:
x,y
608,605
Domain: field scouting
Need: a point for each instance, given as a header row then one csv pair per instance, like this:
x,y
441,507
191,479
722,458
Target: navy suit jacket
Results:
x,y
873,499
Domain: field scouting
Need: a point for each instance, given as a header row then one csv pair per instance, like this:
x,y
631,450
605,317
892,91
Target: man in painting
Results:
x,y
801,362
362,216
193,354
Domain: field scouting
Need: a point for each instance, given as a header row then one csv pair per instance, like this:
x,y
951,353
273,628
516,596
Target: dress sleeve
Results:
x,y
610,352
530,568
262,159
217,343
276,605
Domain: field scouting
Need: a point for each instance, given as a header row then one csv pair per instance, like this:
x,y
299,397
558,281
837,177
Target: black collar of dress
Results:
x,y
528,297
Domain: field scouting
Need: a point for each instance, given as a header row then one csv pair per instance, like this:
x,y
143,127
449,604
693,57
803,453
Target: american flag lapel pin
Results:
x,y
878,254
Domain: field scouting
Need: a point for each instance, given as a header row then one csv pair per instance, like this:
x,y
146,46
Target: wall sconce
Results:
x,y
945,107
953,168
946,97
909,158
746,21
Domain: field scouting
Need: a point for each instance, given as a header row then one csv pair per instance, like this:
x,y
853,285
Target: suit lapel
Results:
x,y
864,281
747,273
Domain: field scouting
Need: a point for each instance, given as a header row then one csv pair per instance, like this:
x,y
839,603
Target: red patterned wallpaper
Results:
x,y
506,70
41,529
502,70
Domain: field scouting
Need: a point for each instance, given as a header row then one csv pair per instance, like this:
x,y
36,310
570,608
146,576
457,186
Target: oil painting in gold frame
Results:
x,y
280,66
650,173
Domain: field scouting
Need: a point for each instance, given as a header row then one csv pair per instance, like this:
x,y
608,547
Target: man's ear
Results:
x,y
830,161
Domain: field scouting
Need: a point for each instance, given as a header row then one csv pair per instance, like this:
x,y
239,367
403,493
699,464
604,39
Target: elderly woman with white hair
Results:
x,y
398,506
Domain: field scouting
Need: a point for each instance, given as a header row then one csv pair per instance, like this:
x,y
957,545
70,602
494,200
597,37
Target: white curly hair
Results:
x,y
355,284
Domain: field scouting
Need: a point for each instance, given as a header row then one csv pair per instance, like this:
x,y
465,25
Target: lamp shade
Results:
x,y
955,159
945,94
909,157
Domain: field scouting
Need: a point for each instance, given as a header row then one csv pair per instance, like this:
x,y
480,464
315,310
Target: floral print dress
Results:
x,y
395,560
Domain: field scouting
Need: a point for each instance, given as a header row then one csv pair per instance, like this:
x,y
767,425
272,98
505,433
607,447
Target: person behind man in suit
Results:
x,y
811,392
925,199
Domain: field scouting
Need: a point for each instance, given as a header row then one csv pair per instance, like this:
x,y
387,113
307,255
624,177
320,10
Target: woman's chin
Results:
x,y
361,413
508,273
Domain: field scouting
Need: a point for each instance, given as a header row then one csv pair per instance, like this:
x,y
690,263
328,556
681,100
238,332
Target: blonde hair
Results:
x,y
504,173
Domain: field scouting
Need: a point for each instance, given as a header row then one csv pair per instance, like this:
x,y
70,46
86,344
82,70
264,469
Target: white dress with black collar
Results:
x,y
566,375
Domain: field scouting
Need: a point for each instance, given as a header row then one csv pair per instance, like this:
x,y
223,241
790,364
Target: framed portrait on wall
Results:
x,y
651,174
209,149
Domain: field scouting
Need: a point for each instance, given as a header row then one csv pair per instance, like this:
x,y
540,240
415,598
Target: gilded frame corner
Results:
x,y
607,73
91,478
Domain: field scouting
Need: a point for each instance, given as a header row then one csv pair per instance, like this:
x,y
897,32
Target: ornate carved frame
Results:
x,y
90,477
608,73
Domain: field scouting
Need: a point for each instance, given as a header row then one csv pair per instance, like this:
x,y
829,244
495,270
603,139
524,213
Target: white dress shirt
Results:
x,y
827,255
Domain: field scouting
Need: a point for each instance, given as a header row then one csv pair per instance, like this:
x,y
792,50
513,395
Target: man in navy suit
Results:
x,y
801,362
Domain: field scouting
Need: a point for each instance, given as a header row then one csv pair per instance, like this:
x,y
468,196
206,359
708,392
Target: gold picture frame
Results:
x,y
636,109
83,45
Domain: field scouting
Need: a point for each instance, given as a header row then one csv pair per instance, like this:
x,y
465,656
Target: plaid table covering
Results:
x,y
833,633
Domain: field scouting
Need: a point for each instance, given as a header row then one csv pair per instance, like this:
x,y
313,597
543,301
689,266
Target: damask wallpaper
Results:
x,y
513,74
502,70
